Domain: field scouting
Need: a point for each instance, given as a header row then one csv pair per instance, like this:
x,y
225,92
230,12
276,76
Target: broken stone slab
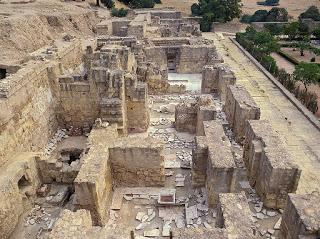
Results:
x,y
207,225
278,224
127,197
191,213
180,184
166,229
152,233
140,216
152,216
142,225
271,213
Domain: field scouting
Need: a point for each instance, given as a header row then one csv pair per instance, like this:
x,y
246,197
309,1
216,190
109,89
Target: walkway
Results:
x,y
300,136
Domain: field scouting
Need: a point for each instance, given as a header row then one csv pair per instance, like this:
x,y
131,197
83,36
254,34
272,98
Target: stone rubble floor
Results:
x,y
139,211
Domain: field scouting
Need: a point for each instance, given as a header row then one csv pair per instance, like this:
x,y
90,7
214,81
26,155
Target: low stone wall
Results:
x,y
186,117
234,214
199,161
189,117
221,168
301,217
216,78
239,108
72,225
137,162
93,185
18,185
270,169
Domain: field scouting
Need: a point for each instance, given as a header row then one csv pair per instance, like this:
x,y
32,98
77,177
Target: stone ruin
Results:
x,y
97,142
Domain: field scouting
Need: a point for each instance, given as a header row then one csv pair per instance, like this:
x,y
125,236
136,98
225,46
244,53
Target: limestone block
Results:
x,y
301,217
270,169
239,108
233,213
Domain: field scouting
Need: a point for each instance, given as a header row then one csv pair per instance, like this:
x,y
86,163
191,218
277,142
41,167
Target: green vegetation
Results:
x,y
307,73
261,44
215,11
108,3
316,33
312,13
115,12
269,3
274,15
140,3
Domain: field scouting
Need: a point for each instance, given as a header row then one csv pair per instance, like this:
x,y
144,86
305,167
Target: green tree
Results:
x,y
307,73
277,14
312,12
108,3
274,28
216,11
316,33
303,45
259,16
115,12
292,30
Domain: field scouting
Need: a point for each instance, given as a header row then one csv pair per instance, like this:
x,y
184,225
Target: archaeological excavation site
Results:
x,y
144,127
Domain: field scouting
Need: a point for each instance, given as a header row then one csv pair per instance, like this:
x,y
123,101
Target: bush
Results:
x,y
140,3
277,15
195,9
259,16
246,18
274,28
316,33
157,1
108,3
119,12
312,12
269,3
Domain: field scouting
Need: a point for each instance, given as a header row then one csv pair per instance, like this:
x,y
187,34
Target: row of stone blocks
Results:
x,y
270,169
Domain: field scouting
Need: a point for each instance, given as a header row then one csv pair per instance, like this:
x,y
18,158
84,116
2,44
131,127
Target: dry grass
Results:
x,y
294,7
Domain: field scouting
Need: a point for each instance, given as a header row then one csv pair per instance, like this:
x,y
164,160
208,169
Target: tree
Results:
x,y
304,45
274,28
307,73
216,11
119,12
277,14
303,29
269,3
312,12
292,30
141,4
108,3
259,16
246,18
316,33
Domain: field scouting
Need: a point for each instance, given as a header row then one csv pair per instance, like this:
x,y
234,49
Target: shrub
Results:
x,y
269,3
316,33
108,3
245,18
157,1
277,15
195,9
312,12
115,12
140,3
274,28
259,16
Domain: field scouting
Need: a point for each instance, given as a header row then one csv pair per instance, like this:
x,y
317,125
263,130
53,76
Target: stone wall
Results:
x,y
221,168
233,213
18,185
270,169
189,117
239,108
216,78
301,217
199,161
93,185
72,225
137,161
186,117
